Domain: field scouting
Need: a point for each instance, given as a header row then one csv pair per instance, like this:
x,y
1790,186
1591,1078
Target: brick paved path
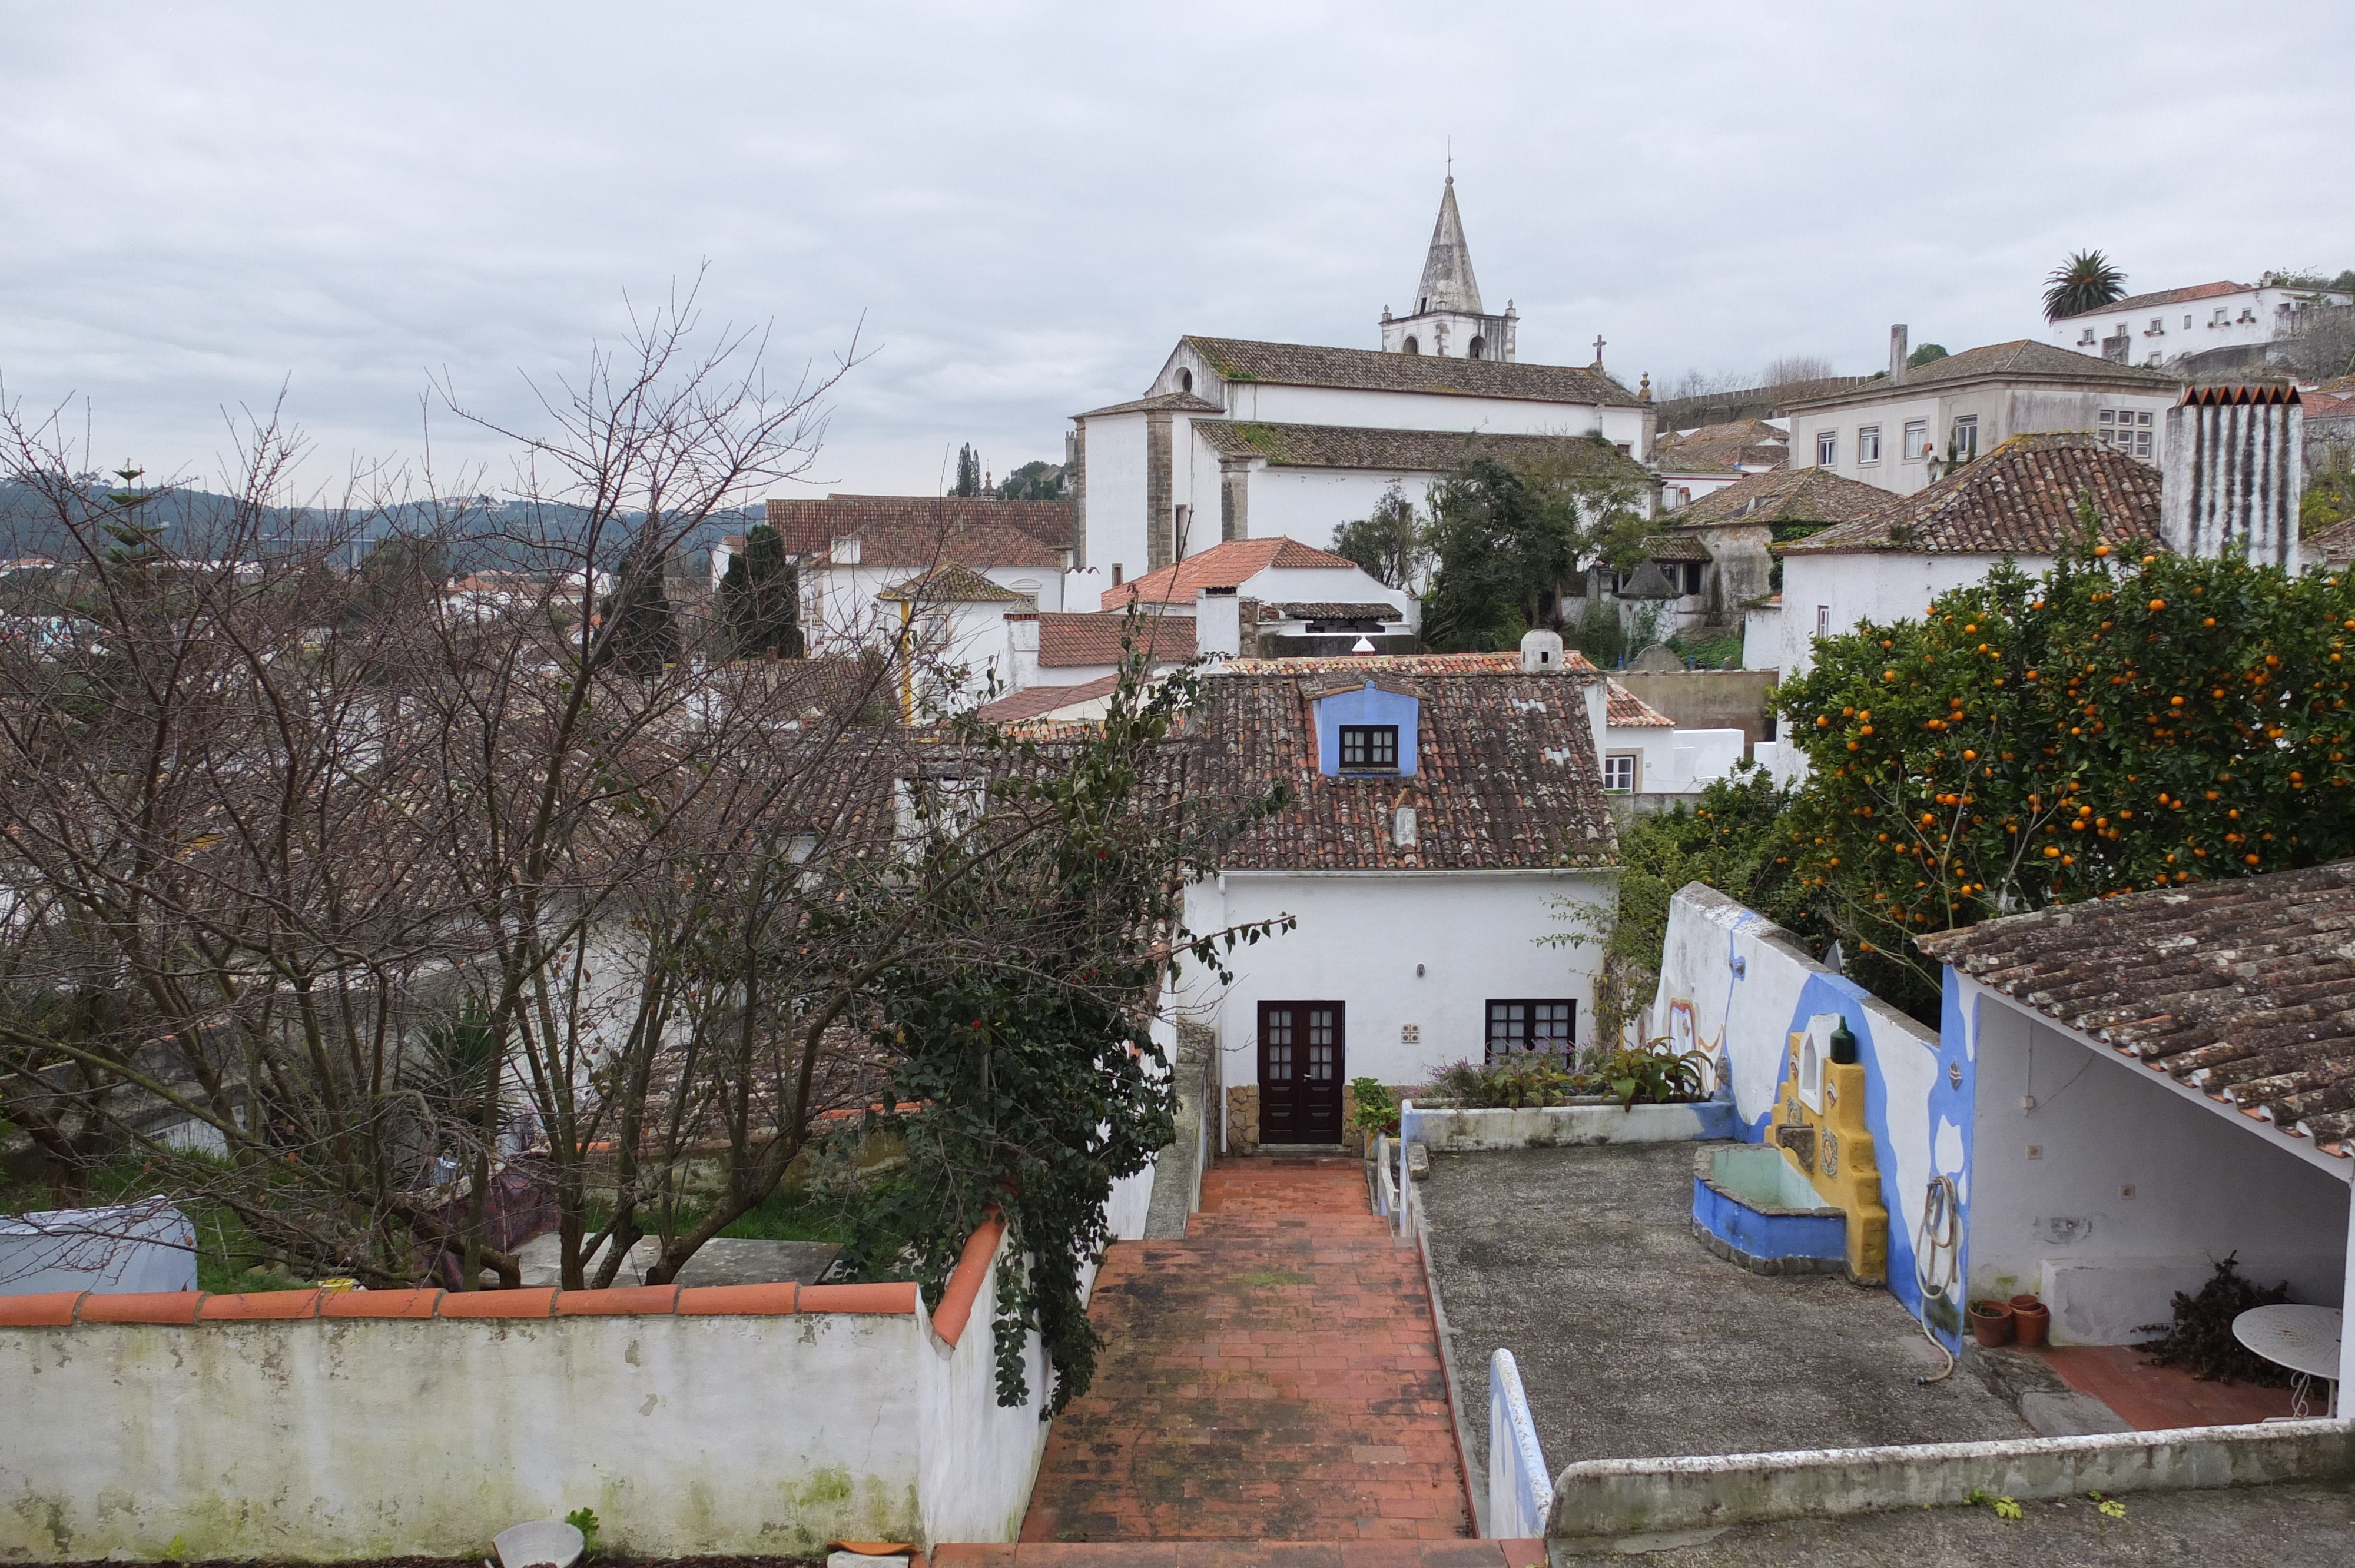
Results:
x,y
1274,1376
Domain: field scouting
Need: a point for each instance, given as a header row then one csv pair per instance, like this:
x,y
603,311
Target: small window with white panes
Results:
x,y
2128,430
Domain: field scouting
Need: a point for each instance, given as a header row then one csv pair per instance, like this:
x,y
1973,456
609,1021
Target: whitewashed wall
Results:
x,y
2106,1188
1762,638
1735,986
325,1439
1881,584
1676,761
1360,940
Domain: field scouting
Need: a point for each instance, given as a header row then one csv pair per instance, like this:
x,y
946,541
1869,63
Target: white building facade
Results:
x,y
2155,328
1900,432
1239,439
1424,884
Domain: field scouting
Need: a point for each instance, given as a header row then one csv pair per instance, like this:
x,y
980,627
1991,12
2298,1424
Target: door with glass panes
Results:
x,y
1301,1061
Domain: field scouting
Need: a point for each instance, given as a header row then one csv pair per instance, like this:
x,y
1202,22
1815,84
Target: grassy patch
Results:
x,y
1265,1278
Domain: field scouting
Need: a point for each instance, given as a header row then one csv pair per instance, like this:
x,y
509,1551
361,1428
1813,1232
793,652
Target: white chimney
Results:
x,y
1598,693
845,550
1021,652
1218,623
2233,474
1542,653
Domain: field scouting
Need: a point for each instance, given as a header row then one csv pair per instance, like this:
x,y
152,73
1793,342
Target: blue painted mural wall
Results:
x,y
1736,987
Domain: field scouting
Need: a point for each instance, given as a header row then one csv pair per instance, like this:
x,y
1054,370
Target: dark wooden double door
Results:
x,y
1301,1058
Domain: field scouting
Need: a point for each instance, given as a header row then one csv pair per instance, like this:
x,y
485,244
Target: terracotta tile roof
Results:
x,y
1674,547
2018,500
2328,405
1033,702
1072,640
1230,565
2334,547
2022,359
1722,448
1329,612
1790,495
1504,779
1413,451
1172,402
1372,370
2162,297
2242,987
1628,711
953,583
979,544
1408,665
808,525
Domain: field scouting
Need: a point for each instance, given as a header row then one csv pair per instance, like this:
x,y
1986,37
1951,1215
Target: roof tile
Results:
x,y
1411,452
2019,499
2242,987
1230,565
1506,774
1373,370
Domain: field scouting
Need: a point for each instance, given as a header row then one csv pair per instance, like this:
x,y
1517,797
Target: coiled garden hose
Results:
x,y
1936,1250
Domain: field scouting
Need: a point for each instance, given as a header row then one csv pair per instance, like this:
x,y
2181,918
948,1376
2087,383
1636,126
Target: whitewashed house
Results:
x,y
876,570
1326,601
1238,439
1444,813
2169,323
1701,461
1646,758
1900,431
2017,502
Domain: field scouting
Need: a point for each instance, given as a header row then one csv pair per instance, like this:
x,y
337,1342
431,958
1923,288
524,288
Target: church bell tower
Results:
x,y
1447,319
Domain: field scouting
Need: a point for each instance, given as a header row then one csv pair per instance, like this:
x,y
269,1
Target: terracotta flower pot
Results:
x,y
1991,1322
2030,1322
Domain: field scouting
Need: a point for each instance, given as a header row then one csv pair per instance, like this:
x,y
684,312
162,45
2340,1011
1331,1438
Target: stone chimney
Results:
x,y
1247,627
1218,623
1897,336
2233,473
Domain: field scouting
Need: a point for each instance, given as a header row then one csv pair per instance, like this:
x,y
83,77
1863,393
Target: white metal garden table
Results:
x,y
2303,1338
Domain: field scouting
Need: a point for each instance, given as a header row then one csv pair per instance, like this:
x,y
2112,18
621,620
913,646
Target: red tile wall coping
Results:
x,y
964,1283
64,1308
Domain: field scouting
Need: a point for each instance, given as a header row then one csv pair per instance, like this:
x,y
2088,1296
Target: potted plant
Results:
x,y
1991,1322
2029,1319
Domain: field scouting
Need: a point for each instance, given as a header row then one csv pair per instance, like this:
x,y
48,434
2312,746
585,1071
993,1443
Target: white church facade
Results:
x,y
1239,439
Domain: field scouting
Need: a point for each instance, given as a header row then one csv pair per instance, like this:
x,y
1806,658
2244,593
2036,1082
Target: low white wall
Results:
x,y
1450,1130
1604,1498
325,1439
770,1431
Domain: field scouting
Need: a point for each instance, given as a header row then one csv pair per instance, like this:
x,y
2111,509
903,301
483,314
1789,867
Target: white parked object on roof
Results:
x,y
148,1246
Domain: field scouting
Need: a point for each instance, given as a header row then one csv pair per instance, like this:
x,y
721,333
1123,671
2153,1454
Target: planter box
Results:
x,y
1451,1130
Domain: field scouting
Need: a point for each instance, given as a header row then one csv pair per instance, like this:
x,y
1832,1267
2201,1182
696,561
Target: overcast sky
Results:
x,y
1018,209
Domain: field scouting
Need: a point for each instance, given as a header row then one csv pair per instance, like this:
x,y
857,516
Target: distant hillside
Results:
x,y
484,532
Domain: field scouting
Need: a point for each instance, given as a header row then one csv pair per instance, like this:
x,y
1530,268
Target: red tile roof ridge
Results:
x,y
1228,565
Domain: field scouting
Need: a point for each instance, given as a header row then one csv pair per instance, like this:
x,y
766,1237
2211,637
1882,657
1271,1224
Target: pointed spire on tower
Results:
x,y
1447,281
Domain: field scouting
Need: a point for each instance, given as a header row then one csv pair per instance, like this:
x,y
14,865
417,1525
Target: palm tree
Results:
x,y
2086,281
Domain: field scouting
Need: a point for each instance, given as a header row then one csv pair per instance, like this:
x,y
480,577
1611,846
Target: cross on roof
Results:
x,y
1598,348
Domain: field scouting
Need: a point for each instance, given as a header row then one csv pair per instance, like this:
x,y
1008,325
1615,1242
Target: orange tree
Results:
x,y
2132,719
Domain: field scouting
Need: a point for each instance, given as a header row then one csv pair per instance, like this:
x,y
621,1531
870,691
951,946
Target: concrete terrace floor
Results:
x,y
1633,1341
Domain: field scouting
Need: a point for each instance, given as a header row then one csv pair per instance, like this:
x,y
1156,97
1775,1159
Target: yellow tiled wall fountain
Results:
x,y
1819,1123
